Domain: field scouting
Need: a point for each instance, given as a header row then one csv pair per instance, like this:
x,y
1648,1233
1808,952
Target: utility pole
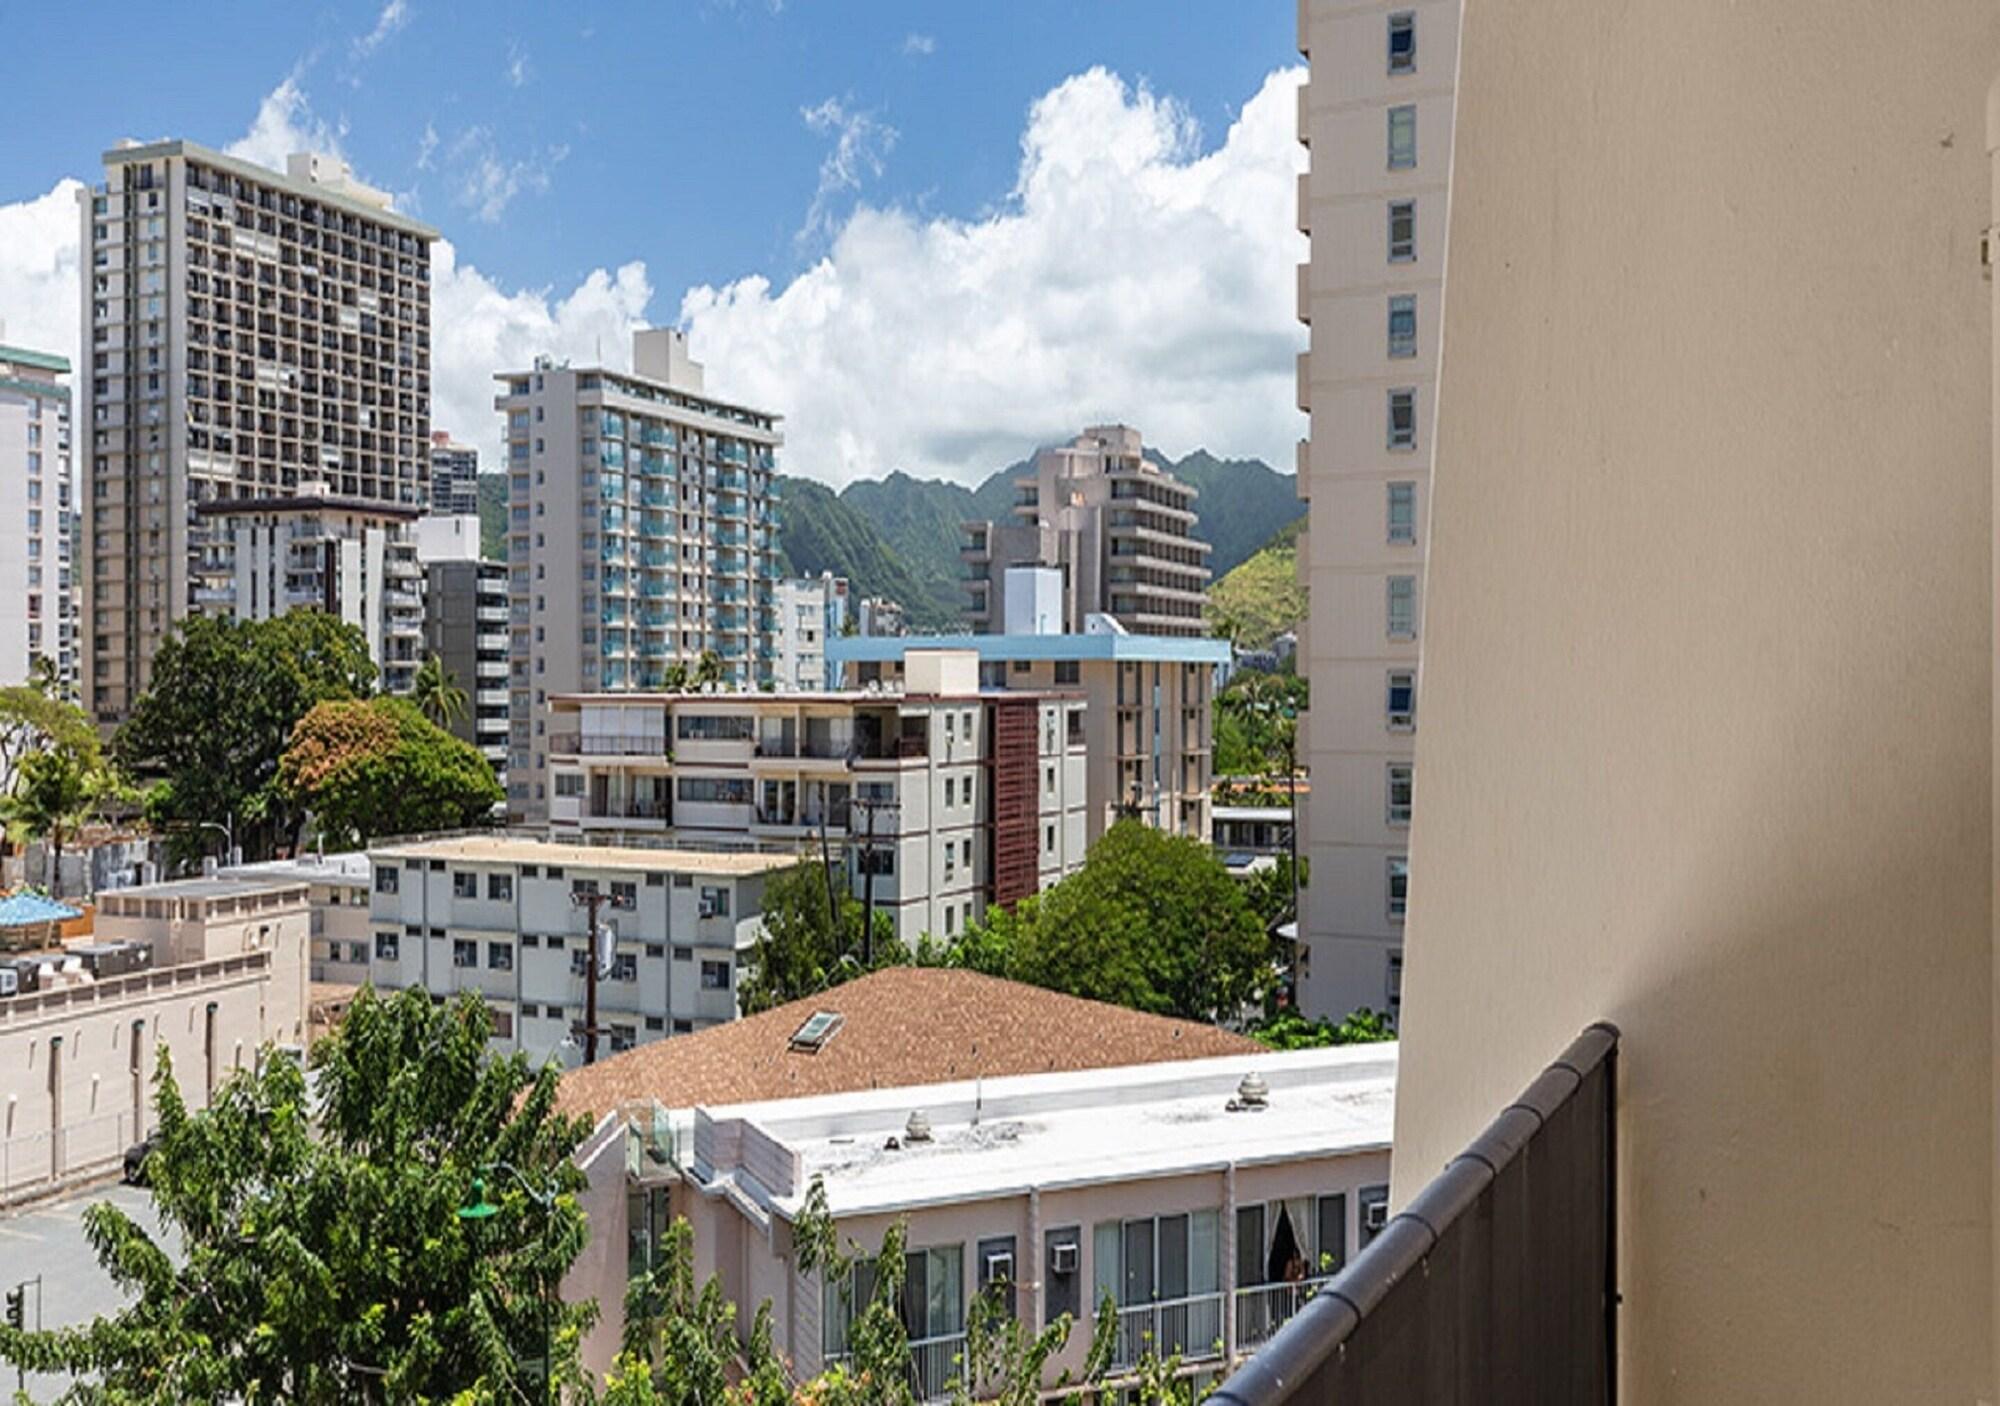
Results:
x,y
868,807
593,961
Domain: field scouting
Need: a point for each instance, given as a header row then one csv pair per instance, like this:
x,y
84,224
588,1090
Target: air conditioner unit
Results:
x,y
999,1267
1375,1215
1063,1258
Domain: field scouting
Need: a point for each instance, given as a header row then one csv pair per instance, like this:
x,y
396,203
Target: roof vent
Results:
x,y
918,1129
1253,1094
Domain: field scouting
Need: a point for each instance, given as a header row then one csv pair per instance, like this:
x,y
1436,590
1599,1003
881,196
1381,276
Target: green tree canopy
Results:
x,y
30,722
329,1265
436,693
805,946
1288,1030
224,699
379,767
1152,921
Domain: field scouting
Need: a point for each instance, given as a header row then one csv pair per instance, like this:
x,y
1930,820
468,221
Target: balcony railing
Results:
x,y
1189,1327
1496,1285
607,744
1262,1309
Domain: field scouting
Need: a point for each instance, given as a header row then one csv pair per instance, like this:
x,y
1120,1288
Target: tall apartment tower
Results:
x,y
37,591
465,626
1376,116
454,476
258,379
642,528
1117,530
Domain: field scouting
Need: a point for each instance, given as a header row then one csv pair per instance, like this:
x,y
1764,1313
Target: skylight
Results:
x,y
818,1029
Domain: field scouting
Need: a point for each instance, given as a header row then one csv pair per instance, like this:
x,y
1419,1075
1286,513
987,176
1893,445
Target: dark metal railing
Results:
x,y
1496,1285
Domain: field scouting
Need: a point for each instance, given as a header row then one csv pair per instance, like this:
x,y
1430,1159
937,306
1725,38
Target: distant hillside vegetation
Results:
x,y
493,516
1262,597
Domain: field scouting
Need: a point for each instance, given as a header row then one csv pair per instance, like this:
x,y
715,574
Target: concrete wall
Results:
x,y
1707,744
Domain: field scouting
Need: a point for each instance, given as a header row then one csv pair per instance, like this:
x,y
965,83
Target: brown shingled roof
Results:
x,y
899,1026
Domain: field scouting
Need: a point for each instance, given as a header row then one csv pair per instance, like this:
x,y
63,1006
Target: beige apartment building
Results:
x,y
642,531
38,621
1147,728
224,978
1376,117
1709,714
939,798
257,353
1097,529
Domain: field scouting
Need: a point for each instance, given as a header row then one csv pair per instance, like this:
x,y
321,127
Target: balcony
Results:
x,y
607,744
1495,1285
1189,1328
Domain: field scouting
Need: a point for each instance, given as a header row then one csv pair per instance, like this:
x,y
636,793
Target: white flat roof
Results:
x,y
503,849
350,868
1050,1131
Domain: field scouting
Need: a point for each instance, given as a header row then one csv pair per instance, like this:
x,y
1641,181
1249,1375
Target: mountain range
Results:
x,y
898,536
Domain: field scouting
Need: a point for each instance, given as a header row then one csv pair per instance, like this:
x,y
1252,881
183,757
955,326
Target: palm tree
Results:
x,y
54,796
437,694
707,669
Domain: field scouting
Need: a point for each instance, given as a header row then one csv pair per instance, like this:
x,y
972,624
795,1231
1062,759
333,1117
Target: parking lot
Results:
x,y
48,1240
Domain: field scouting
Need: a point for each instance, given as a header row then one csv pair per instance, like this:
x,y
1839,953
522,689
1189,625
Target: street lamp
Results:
x,y
477,1209
230,854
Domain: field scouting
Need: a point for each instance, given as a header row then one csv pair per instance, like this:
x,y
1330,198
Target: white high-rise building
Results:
x,y
37,595
811,611
1376,117
454,476
258,350
641,533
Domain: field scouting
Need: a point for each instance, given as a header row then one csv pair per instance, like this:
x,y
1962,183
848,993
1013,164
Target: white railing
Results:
x,y
34,1160
1262,1309
1190,1326
934,1362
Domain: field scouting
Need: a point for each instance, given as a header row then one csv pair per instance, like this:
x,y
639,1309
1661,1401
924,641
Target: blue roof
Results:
x,y
1166,649
19,910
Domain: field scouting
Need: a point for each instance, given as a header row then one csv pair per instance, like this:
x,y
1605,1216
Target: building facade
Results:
x,y
939,798
1147,719
1376,118
500,916
1115,532
811,610
39,621
466,611
642,532
253,338
878,615
454,476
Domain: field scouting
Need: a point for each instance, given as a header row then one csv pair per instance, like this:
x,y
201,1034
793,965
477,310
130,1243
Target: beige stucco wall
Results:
x,y
1707,736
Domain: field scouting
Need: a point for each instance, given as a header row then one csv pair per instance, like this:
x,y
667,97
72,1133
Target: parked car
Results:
x,y
135,1162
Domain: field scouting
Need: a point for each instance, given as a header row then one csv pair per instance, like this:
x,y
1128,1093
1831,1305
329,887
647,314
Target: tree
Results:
x,y
224,698
1256,717
30,722
379,767
436,693
54,795
1288,1030
319,1255
1152,921
804,946
1269,890
675,679
707,669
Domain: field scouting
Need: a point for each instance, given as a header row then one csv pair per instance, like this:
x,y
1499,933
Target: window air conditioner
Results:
x,y
1063,1258
1375,1214
1000,1267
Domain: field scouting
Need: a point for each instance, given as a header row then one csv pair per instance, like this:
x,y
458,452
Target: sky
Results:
x,y
931,236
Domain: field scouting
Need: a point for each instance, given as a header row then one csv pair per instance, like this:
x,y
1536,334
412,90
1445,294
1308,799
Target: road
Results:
x,y
49,1240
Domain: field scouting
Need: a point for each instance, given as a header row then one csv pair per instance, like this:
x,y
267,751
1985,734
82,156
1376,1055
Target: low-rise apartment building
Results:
x,y
502,916
337,890
943,797
224,976
1147,721
1206,1186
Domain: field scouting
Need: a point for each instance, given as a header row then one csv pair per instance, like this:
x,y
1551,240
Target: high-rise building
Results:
x,y
1378,127
258,350
37,591
1098,529
465,627
454,476
642,533
811,611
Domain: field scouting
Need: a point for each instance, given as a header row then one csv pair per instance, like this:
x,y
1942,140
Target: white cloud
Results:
x,y
1128,276
285,123
518,70
485,183
919,44
860,145
394,16
426,147
478,328
38,271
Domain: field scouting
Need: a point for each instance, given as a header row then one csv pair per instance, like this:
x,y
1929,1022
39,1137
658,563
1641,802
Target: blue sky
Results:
x,y
833,197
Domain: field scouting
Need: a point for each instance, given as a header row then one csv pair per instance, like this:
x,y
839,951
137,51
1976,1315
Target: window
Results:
x,y
500,887
624,894
1402,705
1400,782
1402,137
683,1027
1160,1259
1403,43
950,916
656,951
1069,673
1373,1204
683,954
713,790
994,1263
1048,839
385,946
500,956
933,1297
503,1025
1402,231
569,783
464,885
950,868
1062,1261
950,790
1402,324
1399,887
529,1010
1403,418
1402,607
464,953
715,901
386,879
729,727
625,967
715,976
623,1037
1402,514
656,1022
